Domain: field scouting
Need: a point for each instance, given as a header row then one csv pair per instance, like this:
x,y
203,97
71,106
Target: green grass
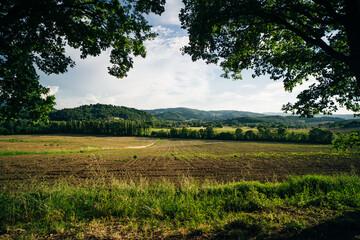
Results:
x,y
84,148
15,153
19,140
240,210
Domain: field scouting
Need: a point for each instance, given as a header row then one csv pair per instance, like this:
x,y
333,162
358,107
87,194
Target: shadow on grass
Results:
x,y
239,230
234,230
346,227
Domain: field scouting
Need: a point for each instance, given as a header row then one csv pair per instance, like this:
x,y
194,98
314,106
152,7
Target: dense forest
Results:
x,y
114,128
344,124
279,120
188,114
100,112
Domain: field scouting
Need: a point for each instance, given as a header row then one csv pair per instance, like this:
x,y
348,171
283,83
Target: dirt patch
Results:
x,y
220,161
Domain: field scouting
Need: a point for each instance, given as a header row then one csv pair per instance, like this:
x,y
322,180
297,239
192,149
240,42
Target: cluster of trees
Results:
x,y
34,34
115,128
345,124
140,128
188,114
279,120
177,124
263,133
346,142
290,40
253,122
100,112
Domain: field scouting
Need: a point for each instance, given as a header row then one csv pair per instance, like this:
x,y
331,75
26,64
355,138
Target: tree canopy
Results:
x,y
100,112
34,34
291,40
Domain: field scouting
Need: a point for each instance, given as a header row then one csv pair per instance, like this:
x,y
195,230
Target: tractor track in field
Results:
x,y
174,159
145,146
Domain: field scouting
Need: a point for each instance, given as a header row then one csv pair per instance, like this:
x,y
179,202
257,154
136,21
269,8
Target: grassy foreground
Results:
x,y
308,207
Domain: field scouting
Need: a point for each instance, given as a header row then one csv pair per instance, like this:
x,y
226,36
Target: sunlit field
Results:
x,y
85,187
39,144
51,157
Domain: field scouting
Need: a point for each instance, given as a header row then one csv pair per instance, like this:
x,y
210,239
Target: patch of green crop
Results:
x,y
15,152
12,140
291,155
15,140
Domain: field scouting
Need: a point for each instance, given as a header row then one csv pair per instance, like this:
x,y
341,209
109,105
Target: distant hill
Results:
x,y
285,120
99,112
188,114
232,117
343,116
346,116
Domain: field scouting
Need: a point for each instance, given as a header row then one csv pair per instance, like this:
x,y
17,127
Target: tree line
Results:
x,y
140,128
114,128
263,133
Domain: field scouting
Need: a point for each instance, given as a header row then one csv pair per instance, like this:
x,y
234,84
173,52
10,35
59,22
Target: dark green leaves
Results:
x,y
35,33
289,40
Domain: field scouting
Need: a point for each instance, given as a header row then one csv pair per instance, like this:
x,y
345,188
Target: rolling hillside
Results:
x,y
228,117
280,120
188,114
99,112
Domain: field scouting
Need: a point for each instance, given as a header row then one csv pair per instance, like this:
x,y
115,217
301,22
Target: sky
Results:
x,y
165,78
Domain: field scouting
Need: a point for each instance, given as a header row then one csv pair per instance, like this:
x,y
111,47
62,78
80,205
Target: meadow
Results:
x,y
86,187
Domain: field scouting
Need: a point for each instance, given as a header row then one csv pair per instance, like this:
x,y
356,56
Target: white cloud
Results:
x,y
53,90
248,86
91,98
162,30
170,16
274,86
165,78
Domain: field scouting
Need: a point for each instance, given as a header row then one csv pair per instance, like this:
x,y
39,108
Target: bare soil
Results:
x,y
135,158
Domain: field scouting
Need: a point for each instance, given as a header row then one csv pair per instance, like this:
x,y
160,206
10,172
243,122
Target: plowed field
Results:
x,y
24,158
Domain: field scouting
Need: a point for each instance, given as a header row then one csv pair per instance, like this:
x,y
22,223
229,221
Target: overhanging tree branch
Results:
x,y
315,41
331,11
35,33
318,38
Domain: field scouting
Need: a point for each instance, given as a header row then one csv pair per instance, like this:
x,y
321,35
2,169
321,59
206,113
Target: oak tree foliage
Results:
x,y
34,34
291,40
